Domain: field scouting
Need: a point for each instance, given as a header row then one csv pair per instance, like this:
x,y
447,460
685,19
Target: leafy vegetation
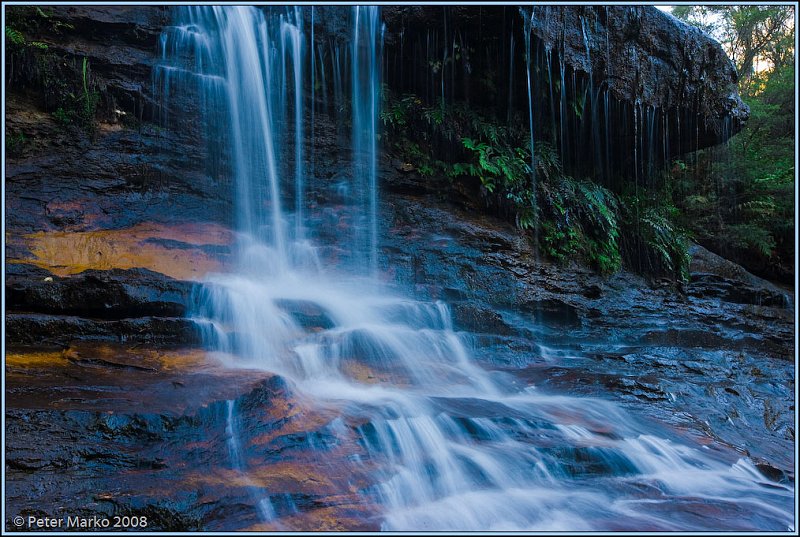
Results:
x,y
652,242
14,38
63,82
570,219
15,143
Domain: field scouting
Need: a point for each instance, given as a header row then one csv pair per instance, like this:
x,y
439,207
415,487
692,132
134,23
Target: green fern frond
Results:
x,y
14,36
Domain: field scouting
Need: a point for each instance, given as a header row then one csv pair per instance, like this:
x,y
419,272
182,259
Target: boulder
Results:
x,y
713,276
648,57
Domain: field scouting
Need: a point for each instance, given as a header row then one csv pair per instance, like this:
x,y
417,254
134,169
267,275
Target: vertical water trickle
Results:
x,y
263,505
563,131
291,34
453,56
606,99
232,437
445,52
607,131
527,29
652,119
443,71
511,77
312,130
589,120
553,130
338,89
365,102
323,79
665,155
637,154
427,65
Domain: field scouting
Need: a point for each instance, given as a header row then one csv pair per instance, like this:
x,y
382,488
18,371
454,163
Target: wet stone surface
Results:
x,y
114,430
131,417
122,413
718,363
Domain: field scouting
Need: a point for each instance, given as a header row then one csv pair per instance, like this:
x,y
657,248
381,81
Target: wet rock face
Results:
x,y
645,56
134,305
129,195
715,276
119,43
128,169
696,357
147,433
109,294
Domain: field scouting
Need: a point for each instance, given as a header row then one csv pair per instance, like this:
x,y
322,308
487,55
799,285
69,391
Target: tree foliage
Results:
x,y
738,199
753,36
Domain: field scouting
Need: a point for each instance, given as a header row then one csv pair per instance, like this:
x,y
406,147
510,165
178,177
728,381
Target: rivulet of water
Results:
x,y
447,444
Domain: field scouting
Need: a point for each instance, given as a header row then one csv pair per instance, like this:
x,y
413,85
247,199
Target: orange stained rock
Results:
x,y
297,420
296,476
37,358
119,377
365,374
66,253
175,360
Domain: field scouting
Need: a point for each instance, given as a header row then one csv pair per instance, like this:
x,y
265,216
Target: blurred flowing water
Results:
x,y
447,444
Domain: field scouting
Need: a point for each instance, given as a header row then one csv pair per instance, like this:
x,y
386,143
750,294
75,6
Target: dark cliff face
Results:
x,y
607,80
120,43
647,61
643,54
648,57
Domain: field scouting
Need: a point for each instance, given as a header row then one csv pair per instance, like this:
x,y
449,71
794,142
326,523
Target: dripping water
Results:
x,y
264,507
527,29
366,70
292,36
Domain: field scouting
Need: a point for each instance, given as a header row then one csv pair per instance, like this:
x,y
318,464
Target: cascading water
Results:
x,y
445,443
365,99
293,36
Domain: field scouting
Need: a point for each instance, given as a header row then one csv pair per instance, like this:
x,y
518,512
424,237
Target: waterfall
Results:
x,y
292,35
366,100
444,443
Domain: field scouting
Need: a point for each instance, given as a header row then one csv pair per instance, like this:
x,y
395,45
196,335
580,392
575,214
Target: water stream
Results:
x,y
447,445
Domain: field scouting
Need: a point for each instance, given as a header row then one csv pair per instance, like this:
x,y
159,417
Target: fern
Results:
x,y
751,237
760,207
15,37
662,244
548,163
599,204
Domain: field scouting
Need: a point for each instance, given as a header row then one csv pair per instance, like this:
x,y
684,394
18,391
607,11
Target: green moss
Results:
x,y
15,143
